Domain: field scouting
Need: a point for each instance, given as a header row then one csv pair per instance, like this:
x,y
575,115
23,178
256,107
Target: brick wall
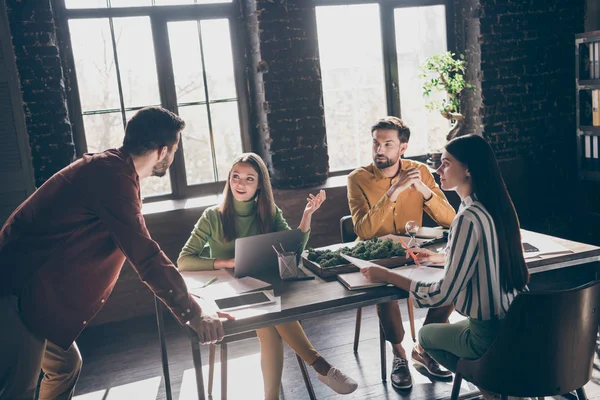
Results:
x,y
287,99
42,85
523,55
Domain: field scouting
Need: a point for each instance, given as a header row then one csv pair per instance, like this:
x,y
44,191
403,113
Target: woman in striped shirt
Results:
x,y
484,265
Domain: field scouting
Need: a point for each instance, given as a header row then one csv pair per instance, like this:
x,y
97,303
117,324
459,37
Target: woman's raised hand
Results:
x,y
426,255
314,202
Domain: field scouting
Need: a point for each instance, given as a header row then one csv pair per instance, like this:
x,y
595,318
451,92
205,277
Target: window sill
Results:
x,y
164,206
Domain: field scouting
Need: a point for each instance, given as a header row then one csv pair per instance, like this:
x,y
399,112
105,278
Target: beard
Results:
x,y
161,168
383,164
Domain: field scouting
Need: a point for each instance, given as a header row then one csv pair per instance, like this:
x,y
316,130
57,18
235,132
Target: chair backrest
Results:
x,y
545,346
347,229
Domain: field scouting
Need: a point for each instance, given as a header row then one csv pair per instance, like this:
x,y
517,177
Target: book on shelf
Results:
x,y
596,60
595,109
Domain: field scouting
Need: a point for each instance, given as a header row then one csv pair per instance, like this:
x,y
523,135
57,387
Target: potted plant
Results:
x,y
445,73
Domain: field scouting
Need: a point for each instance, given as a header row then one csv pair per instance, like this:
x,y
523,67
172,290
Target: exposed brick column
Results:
x,y
528,92
467,35
287,99
42,85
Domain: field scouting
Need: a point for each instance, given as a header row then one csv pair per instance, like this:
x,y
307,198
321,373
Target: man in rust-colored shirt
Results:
x,y
382,197
62,250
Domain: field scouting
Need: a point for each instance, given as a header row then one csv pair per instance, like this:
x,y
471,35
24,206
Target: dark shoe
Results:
x,y
426,361
400,377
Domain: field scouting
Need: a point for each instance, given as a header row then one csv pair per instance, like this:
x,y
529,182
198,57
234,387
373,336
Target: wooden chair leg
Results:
x,y
382,351
223,371
357,329
456,386
581,394
306,377
211,367
411,319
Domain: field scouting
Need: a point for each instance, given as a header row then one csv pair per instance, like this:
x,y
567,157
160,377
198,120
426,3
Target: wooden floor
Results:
x,y
122,361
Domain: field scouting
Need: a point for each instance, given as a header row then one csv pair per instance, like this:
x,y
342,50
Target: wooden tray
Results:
x,y
326,272
345,268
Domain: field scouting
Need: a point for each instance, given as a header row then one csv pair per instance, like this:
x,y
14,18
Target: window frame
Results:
x,y
388,40
159,17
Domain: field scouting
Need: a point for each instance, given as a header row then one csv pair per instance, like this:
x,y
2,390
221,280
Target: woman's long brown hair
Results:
x,y
265,203
476,154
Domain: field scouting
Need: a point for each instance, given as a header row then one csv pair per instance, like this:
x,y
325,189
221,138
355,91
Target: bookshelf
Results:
x,y
587,72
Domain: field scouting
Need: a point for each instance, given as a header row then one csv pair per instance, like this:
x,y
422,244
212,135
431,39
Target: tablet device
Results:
x,y
244,300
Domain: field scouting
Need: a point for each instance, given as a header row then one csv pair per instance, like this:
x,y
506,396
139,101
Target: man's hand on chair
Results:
x,y
209,326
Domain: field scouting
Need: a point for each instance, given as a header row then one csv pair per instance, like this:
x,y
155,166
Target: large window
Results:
x,y
128,54
370,56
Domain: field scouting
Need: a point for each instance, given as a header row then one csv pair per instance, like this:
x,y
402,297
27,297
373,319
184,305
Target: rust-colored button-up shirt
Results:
x,y
374,214
62,250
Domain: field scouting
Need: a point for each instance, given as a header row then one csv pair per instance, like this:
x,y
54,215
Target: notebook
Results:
x,y
357,281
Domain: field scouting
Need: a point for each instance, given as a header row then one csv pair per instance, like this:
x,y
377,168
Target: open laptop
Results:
x,y
254,255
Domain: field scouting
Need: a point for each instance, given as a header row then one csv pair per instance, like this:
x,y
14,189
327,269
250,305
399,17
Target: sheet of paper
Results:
x,y
248,284
545,245
226,284
430,233
357,262
196,279
423,274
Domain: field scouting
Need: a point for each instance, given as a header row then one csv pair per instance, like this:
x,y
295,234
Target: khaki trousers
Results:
x,y
23,354
271,353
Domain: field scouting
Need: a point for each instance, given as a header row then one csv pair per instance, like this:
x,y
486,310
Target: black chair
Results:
x,y
348,235
545,346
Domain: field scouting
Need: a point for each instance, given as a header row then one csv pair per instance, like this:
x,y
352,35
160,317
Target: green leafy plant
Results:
x,y
372,249
449,77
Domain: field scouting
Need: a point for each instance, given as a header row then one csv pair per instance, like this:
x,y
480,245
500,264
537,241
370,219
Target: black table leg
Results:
x,y
197,355
158,306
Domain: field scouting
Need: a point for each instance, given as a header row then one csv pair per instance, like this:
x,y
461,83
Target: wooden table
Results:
x,y
301,300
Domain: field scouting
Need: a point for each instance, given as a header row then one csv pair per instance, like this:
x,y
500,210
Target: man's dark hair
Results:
x,y
150,129
393,123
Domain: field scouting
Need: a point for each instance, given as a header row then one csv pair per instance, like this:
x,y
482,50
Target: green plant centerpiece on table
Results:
x,y
372,249
445,73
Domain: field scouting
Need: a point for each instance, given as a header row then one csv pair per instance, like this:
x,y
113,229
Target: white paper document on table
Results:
x,y
422,273
357,262
545,246
225,284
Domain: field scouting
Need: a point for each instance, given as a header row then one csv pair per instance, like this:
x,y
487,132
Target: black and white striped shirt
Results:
x,y
472,276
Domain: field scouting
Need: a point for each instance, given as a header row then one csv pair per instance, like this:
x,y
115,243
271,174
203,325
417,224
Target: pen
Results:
x,y
213,280
409,252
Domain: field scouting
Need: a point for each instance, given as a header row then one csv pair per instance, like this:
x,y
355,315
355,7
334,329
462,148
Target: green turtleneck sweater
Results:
x,y
209,231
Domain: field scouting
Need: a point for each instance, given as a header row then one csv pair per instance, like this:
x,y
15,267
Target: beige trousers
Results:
x,y
23,354
271,353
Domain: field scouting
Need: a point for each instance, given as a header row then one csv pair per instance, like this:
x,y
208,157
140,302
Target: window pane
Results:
x,y
103,131
195,141
420,33
137,64
353,82
187,63
155,186
94,64
130,3
227,137
85,3
218,58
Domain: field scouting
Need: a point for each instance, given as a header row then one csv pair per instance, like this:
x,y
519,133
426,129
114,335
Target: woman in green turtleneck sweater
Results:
x,y
249,209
